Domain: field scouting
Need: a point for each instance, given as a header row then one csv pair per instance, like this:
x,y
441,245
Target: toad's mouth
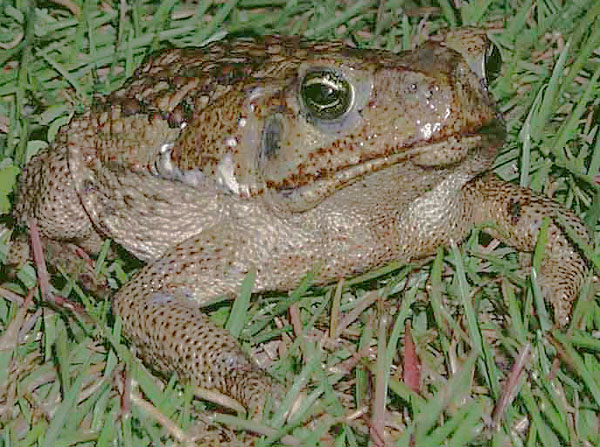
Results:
x,y
445,153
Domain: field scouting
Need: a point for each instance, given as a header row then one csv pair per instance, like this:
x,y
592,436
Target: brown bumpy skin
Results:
x,y
209,164
517,214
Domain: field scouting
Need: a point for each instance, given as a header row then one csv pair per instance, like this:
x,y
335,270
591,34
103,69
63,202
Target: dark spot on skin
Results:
x,y
179,81
130,106
176,117
514,210
88,186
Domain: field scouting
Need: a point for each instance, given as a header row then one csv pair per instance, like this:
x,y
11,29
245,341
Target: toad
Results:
x,y
280,157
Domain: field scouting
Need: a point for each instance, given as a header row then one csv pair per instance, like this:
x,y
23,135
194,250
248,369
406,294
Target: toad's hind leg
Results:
x,y
162,316
518,214
47,195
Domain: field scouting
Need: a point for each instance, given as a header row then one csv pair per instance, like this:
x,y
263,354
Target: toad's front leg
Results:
x,y
162,316
517,214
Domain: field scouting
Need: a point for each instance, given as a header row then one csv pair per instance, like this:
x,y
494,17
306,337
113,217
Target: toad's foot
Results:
x,y
517,216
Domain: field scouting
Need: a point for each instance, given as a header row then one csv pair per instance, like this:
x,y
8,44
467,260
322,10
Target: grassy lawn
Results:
x,y
493,369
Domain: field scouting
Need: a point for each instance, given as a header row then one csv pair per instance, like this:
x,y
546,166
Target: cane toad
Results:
x,y
276,155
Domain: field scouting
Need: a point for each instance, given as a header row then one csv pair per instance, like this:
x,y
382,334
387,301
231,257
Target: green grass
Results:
x,y
68,379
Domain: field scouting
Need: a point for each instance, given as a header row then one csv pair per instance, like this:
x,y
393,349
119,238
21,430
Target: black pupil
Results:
x,y
322,94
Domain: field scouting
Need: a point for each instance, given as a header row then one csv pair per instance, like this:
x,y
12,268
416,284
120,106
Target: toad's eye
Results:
x,y
493,63
326,94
